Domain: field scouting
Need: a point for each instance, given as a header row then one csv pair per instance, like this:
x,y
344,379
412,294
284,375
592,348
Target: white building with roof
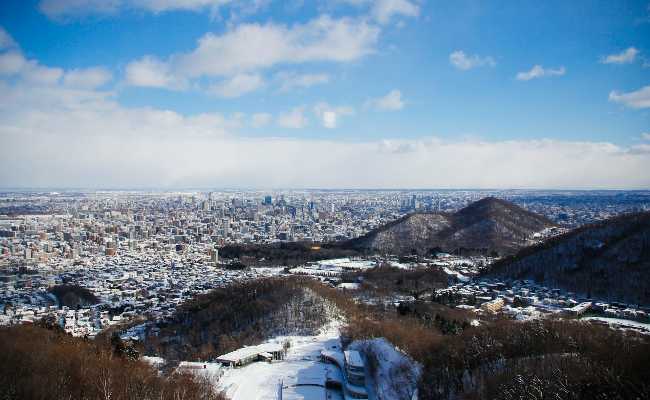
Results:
x,y
249,354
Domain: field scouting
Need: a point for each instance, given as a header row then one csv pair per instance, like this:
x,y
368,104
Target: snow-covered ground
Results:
x,y
458,275
348,286
302,373
333,267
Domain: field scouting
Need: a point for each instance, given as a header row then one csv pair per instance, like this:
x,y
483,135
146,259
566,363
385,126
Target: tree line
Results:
x,y
42,362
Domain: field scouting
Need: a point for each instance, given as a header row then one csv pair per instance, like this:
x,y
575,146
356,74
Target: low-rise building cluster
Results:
x,y
524,299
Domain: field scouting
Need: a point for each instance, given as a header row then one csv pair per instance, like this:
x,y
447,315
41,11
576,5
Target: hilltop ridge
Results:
x,y
608,259
487,226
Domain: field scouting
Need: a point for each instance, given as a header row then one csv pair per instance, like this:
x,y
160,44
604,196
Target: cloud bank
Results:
x,y
60,136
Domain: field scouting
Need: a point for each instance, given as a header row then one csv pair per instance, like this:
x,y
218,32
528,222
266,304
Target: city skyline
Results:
x,y
330,94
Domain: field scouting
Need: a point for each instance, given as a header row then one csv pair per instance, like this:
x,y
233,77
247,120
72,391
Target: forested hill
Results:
x,y
489,225
609,260
247,313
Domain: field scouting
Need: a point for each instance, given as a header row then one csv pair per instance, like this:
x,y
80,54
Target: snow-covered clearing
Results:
x,y
348,286
302,374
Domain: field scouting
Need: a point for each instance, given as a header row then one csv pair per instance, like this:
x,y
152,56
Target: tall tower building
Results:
x,y
214,255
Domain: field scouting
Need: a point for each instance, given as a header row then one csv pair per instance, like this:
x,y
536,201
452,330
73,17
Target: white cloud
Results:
x,y
464,62
636,99
151,72
385,10
58,112
390,102
294,119
38,115
35,119
13,63
291,80
88,78
330,116
645,136
260,120
625,57
149,157
238,85
6,41
39,74
538,72
253,47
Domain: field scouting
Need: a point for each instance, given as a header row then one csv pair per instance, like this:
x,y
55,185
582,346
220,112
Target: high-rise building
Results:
x,y
214,256
268,200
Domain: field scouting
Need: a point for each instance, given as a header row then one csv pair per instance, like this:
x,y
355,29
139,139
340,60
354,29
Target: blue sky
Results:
x,y
386,78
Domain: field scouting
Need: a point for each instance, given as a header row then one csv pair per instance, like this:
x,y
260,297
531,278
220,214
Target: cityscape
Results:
x,y
142,254
324,200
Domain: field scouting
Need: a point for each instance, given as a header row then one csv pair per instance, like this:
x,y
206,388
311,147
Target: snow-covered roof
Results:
x,y
250,351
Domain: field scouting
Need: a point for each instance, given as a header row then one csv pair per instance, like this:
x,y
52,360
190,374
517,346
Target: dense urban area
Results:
x,y
131,265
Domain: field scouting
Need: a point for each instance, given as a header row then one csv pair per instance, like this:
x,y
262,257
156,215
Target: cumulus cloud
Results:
x,y
465,62
625,57
87,77
390,102
238,85
330,116
294,119
636,99
11,63
292,80
151,72
539,72
252,47
14,63
384,10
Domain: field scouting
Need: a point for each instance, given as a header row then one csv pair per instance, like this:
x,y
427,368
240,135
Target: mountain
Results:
x,y
489,225
607,260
